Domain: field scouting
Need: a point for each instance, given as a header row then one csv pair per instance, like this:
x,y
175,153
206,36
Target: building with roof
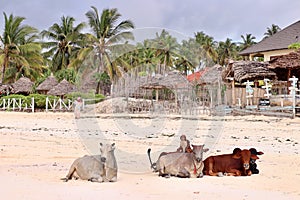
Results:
x,y
276,44
47,84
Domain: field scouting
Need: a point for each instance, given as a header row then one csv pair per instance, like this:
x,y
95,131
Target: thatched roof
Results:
x,y
280,40
172,80
4,88
132,84
288,61
211,75
47,84
64,87
23,85
248,70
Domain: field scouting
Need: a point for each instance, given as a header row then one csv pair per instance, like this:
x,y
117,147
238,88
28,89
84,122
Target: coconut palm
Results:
x,y
18,49
166,48
226,50
208,47
248,40
31,51
189,56
107,35
65,41
272,30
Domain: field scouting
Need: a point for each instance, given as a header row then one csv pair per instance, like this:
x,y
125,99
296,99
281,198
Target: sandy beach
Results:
x,y
37,149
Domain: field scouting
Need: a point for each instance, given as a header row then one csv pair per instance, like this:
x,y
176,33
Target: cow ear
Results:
x,y
254,157
260,153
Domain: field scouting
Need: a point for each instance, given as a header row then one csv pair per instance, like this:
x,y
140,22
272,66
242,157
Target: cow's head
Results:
x,y
198,152
105,150
244,156
255,152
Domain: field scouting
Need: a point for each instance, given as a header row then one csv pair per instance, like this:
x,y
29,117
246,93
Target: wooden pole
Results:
x,y
233,91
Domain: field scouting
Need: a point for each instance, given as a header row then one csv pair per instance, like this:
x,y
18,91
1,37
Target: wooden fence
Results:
x,y
17,104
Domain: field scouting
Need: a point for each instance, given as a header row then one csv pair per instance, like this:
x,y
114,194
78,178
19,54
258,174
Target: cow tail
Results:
x,y
153,165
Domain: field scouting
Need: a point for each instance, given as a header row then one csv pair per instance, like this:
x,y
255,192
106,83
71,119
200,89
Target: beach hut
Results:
x,y
49,83
239,72
22,86
210,85
285,67
173,80
61,89
5,89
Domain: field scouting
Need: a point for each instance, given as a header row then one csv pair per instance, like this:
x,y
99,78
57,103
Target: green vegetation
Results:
x,y
295,46
40,99
65,51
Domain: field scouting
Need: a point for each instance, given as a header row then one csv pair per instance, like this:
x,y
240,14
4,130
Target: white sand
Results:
x,y
36,150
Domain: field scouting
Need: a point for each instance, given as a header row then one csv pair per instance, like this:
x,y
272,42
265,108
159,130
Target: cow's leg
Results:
x,y
98,179
183,173
233,172
70,174
211,173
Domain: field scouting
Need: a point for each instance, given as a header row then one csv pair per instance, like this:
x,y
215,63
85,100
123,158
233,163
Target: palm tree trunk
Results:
x,y
98,71
4,67
165,63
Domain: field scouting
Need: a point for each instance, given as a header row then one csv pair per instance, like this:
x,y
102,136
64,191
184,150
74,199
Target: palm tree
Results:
x,y
17,49
31,51
166,49
65,41
271,30
226,50
107,35
208,47
248,40
189,56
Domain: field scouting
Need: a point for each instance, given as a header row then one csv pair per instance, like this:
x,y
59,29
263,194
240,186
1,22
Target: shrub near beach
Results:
x,y
40,99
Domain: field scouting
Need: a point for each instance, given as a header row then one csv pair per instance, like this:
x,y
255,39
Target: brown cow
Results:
x,y
235,164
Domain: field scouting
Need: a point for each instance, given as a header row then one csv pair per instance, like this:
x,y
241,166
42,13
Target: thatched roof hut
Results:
x,y
211,75
47,84
63,88
172,80
248,70
134,85
22,86
4,89
286,66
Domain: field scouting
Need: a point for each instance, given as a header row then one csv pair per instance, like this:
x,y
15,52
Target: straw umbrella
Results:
x,y
22,86
61,89
49,83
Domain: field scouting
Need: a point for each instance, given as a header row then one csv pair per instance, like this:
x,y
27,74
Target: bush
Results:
x,y
16,96
96,97
40,99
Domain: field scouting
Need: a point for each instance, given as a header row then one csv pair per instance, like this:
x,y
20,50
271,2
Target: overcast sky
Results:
x,y
218,18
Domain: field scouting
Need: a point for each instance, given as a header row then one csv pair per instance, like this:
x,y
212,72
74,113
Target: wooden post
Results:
x,y
233,91
32,104
156,97
288,80
293,90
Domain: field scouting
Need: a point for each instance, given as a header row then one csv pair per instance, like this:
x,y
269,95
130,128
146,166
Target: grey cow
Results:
x,y
96,168
185,165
